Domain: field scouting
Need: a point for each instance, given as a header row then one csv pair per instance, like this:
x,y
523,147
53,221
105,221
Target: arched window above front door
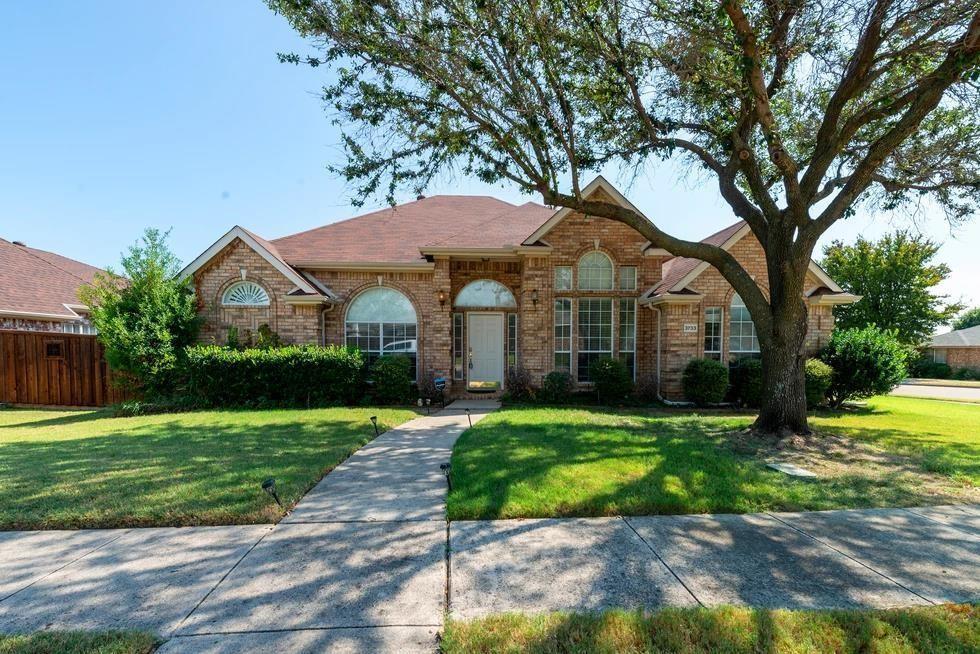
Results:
x,y
486,293
382,321
595,272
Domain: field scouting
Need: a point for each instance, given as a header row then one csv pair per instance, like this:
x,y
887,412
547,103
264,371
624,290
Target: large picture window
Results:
x,y
595,272
627,334
742,338
594,333
563,335
382,321
712,333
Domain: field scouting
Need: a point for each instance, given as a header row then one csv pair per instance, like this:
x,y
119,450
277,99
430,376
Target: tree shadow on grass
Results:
x,y
594,462
174,470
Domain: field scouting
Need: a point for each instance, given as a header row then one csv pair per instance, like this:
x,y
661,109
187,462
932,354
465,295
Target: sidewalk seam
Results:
x,y
848,556
218,583
59,569
660,558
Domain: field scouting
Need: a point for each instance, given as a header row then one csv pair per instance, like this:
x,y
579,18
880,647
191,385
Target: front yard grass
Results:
x,y
560,462
949,628
72,469
78,642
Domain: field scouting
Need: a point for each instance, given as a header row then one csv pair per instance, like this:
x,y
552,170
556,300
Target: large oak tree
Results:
x,y
799,111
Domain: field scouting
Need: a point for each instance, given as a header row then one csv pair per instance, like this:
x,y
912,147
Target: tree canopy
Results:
x,y
145,316
896,278
969,318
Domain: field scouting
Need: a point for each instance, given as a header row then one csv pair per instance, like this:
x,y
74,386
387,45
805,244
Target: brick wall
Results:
x,y
293,323
963,357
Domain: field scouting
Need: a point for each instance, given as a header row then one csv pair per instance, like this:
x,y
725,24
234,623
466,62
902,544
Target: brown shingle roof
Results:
x,y
38,282
678,268
396,234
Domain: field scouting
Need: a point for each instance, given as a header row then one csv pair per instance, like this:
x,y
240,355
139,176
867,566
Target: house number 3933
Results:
x,y
690,328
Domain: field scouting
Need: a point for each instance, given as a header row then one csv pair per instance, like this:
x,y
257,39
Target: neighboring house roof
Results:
x,y
399,234
969,337
39,284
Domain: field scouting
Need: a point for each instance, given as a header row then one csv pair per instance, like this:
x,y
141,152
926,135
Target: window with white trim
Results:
x,y
939,355
742,338
627,278
563,335
382,321
563,278
594,333
245,294
712,333
627,333
595,272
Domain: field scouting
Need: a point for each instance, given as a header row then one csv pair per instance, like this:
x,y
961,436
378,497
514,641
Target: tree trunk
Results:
x,y
783,409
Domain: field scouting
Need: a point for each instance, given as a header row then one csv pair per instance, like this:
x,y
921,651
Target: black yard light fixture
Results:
x,y
468,418
374,421
446,469
269,486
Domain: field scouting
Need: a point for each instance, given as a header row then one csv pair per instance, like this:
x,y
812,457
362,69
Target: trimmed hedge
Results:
x,y
705,381
557,388
746,376
866,362
819,376
392,378
611,378
305,375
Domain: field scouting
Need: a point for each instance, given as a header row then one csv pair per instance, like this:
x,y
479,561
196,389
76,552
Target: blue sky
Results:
x,y
115,116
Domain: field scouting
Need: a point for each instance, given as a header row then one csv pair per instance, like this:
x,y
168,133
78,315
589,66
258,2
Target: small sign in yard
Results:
x,y
792,470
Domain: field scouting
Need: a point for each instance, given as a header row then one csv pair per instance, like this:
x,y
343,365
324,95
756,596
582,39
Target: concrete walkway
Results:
x,y
361,564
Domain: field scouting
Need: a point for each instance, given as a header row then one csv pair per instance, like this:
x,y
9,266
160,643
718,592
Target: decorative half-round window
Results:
x,y
595,272
486,293
245,294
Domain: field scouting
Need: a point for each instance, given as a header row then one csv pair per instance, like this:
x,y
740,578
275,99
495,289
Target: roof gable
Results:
x,y
598,184
264,249
969,337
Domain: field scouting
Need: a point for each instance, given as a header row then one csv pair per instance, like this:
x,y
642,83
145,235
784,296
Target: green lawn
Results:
x,y
950,628
545,462
68,469
78,642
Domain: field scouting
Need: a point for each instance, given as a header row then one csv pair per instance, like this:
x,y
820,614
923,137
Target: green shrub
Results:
x,y
819,376
866,362
746,379
611,379
392,379
557,388
923,366
288,376
966,374
519,386
705,381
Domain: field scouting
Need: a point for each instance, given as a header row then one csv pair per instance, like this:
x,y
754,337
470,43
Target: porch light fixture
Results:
x,y
269,486
442,297
374,421
534,297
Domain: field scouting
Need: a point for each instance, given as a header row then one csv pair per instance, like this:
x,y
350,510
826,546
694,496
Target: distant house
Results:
x,y
39,290
957,349
470,287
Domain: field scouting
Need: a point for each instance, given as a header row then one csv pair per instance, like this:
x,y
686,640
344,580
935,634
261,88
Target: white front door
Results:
x,y
486,351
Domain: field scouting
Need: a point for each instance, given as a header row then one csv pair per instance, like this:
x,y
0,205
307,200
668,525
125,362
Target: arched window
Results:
x,y
742,339
245,294
484,293
595,272
382,321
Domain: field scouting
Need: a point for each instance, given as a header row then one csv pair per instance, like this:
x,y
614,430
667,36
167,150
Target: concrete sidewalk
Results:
x,y
860,558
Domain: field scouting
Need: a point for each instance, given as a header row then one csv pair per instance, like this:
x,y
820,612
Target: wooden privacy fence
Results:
x,y
54,368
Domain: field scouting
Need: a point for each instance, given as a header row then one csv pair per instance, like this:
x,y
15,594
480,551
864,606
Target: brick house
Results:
x,y
957,349
39,290
471,286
